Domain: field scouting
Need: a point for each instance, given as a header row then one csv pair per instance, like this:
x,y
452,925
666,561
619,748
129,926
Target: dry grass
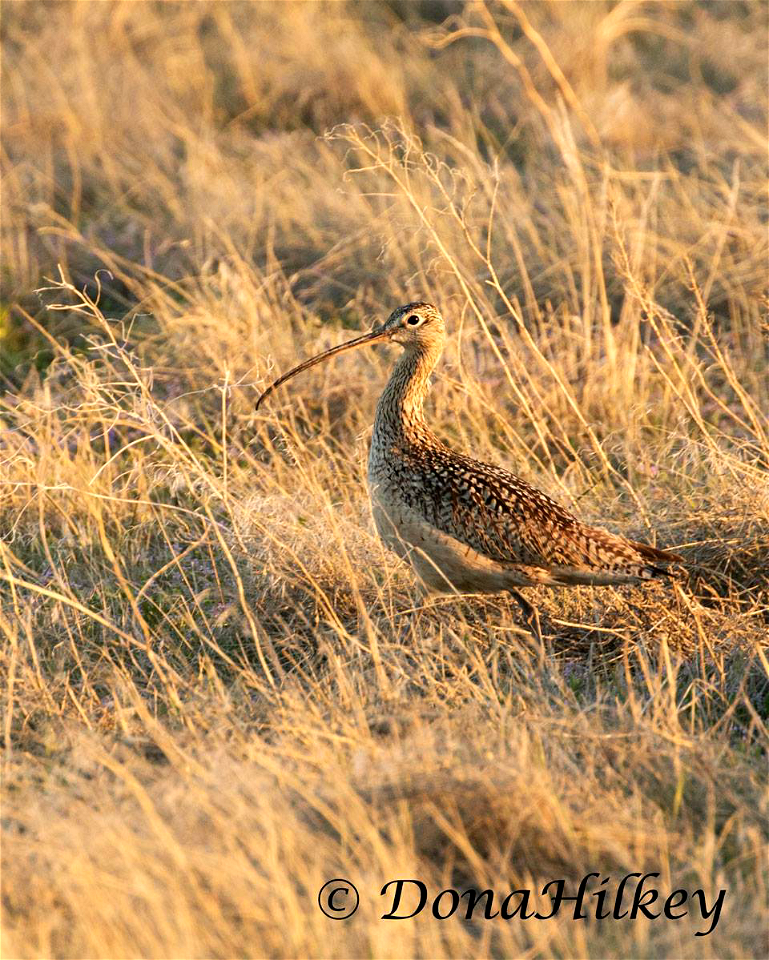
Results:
x,y
216,696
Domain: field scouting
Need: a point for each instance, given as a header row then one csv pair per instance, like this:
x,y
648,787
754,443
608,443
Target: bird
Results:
x,y
465,526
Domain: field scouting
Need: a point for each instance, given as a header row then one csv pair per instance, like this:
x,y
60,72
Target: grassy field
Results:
x,y
219,690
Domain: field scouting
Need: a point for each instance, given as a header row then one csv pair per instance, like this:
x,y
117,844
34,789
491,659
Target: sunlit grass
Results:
x,y
220,690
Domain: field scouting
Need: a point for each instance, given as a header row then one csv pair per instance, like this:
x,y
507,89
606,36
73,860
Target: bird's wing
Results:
x,y
509,521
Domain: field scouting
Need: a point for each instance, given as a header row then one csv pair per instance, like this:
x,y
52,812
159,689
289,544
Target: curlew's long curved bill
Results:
x,y
374,337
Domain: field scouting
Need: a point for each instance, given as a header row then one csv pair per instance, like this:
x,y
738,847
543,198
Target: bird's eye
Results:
x,y
413,320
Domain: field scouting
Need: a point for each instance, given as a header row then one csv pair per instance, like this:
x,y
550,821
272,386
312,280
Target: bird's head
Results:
x,y
415,326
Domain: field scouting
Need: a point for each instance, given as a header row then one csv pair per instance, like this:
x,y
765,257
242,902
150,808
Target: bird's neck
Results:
x,y
399,413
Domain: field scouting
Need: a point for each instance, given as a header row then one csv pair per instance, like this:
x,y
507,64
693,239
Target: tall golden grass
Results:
x,y
220,691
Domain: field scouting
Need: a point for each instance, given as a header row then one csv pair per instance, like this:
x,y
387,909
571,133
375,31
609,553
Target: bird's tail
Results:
x,y
656,557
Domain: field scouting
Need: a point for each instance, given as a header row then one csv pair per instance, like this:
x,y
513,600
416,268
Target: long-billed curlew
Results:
x,y
468,526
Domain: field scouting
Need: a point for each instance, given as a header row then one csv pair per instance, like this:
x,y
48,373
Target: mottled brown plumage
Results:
x,y
465,525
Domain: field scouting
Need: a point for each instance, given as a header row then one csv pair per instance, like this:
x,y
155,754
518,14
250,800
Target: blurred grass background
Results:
x,y
217,694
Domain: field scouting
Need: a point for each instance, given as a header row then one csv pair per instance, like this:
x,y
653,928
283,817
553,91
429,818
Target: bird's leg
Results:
x,y
530,616
412,623
410,629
